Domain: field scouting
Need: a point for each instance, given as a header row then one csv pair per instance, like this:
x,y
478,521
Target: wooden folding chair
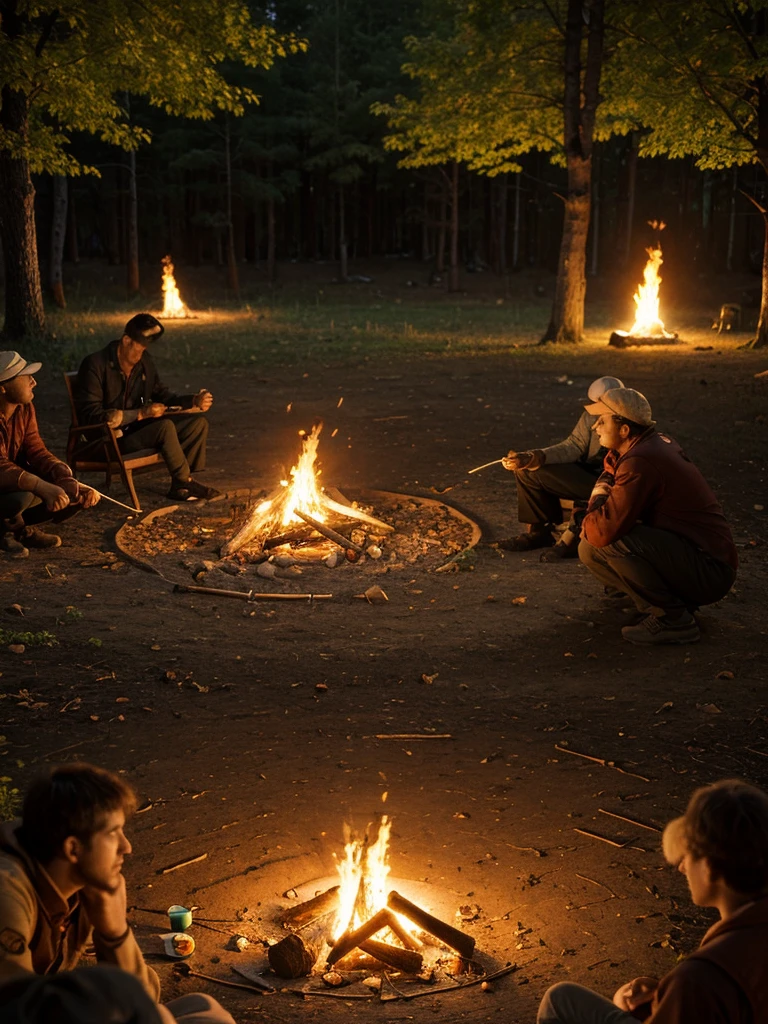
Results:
x,y
93,448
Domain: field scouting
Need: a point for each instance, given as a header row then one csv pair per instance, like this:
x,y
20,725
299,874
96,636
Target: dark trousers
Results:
x,y
539,490
179,439
22,508
662,572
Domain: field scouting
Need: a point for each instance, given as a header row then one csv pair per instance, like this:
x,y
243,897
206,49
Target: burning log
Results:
x,y
406,960
446,933
325,903
338,538
352,938
296,955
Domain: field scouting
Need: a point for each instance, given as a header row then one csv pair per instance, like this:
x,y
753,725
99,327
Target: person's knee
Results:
x,y
197,1006
586,552
555,1002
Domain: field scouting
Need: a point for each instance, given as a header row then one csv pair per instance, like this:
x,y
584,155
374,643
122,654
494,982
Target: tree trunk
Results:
x,y
760,339
732,220
73,250
453,273
232,277
501,229
58,233
343,263
132,229
567,321
631,192
517,224
271,263
24,313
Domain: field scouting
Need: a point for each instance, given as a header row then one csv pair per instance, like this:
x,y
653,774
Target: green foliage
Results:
x,y
72,60
10,798
40,639
94,641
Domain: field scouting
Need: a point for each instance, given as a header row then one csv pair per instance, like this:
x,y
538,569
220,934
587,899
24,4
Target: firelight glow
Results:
x,y
363,871
173,307
647,321
303,492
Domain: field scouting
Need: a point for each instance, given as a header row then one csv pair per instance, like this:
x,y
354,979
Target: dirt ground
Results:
x,y
253,732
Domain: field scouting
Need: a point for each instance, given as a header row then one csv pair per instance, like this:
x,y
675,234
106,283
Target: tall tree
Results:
x,y
497,79
695,75
63,65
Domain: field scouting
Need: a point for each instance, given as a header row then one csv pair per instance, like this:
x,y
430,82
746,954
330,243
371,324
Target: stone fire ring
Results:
x,y
359,494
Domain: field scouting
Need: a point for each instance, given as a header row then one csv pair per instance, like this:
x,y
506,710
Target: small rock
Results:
x,y
333,978
16,648
373,982
267,570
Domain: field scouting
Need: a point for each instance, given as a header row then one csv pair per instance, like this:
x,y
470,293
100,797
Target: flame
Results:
x,y
647,322
173,307
363,871
303,492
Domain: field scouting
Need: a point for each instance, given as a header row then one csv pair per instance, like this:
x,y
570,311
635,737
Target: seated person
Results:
x,y
120,386
653,528
35,486
87,995
62,885
545,475
721,846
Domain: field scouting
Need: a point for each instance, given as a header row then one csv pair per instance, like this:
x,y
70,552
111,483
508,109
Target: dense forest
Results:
x,y
454,133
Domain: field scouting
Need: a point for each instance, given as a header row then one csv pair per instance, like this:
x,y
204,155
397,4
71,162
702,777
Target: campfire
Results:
x,y
299,513
173,307
361,920
648,328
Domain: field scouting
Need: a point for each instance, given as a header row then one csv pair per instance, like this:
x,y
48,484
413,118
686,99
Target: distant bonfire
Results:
x,y
648,328
173,307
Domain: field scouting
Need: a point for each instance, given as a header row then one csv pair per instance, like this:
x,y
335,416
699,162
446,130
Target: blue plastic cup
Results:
x,y
180,918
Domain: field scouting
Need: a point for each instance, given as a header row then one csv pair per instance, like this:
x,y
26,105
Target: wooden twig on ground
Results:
x,y
603,839
182,864
630,821
600,760
413,736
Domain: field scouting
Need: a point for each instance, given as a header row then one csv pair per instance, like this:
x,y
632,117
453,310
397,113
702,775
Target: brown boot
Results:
x,y
538,535
12,547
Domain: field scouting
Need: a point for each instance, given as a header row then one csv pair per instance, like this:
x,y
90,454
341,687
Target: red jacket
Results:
x,y
726,980
22,449
657,484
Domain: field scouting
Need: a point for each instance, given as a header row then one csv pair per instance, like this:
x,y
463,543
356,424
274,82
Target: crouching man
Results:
x,y
62,885
721,846
653,528
35,486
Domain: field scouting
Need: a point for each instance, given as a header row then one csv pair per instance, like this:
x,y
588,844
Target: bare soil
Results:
x,y
252,732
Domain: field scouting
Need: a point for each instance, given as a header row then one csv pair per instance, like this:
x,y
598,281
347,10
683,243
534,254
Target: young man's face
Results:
x,y
100,860
131,350
20,390
608,429
699,876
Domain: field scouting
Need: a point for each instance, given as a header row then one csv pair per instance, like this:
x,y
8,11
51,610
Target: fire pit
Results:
x,y
648,328
300,530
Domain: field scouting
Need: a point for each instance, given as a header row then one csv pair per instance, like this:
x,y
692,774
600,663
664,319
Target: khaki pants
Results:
x,y
195,1008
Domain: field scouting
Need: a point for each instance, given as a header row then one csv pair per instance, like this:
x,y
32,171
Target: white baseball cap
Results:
x,y
12,365
598,387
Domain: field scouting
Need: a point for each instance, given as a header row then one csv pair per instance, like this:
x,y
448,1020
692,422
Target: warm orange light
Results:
x,y
303,492
173,307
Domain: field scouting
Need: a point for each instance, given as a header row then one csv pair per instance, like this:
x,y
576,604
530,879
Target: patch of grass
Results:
x,y
94,641
10,799
15,636
72,612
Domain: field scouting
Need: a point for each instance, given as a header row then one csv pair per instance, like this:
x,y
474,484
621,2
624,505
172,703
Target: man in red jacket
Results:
x,y
721,846
653,528
35,486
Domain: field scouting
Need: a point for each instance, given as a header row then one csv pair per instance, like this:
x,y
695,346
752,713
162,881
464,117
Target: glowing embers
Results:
x,y
173,307
648,328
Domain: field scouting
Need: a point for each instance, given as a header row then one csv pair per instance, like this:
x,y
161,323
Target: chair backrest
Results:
x,y
69,380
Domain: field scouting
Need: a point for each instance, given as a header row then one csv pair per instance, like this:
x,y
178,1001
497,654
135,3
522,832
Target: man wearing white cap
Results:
x,y
35,486
545,475
653,528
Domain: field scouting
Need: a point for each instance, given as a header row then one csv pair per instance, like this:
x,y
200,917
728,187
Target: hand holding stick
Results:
x,y
106,497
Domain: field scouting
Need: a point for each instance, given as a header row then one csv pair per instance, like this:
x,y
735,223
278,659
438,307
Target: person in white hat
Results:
x,y
35,486
545,475
653,528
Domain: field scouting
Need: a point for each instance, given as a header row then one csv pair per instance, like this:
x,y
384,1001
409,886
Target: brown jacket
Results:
x,y
22,449
658,485
41,932
726,980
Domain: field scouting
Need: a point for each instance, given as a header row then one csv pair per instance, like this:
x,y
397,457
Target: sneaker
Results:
x,y
33,537
663,630
528,541
13,547
559,552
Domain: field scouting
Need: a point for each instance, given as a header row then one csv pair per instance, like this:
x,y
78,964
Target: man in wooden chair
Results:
x,y
120,386
35,486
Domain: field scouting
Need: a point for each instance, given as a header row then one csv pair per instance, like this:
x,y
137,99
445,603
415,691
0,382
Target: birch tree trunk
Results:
x,y
58,234
567,321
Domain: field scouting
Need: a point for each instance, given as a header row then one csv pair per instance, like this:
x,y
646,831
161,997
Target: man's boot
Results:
x,y
12,547
538,535
34,537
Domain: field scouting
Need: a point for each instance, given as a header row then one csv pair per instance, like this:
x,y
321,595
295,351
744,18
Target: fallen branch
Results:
x,y
600,760
630,821
246,595
413,736
186,972
603,839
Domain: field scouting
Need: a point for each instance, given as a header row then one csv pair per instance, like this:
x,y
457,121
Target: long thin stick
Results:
x,y
600,760
630,821
107,498
486,465
603,839
182,864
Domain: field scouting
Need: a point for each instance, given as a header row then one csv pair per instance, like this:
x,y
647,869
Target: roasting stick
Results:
x,y
113,500
486,465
